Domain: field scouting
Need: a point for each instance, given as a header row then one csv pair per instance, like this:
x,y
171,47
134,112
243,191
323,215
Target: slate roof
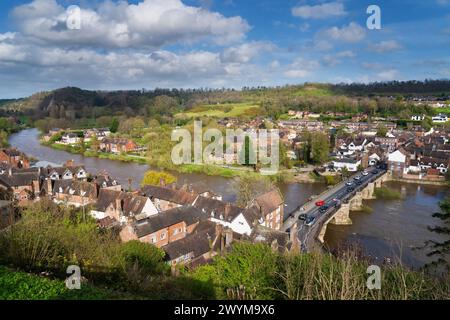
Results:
x,y
130,204
199,242
188,214
218,209
19,178
75,187
269,201
175,196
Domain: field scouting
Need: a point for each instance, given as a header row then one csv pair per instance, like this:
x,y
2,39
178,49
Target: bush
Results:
x,y
146,257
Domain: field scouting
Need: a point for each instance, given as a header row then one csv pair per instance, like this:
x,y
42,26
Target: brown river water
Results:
x,y
393,229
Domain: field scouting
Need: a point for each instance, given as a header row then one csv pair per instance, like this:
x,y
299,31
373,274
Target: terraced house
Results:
x,y
165,227
15,158
21,185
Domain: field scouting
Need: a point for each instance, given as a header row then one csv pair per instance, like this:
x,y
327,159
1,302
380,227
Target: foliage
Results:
x,y
250,186
387,194
441,250
155,178
258,272
147,258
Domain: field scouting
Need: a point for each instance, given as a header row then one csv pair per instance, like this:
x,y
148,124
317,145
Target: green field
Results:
x,y
313,91
222,110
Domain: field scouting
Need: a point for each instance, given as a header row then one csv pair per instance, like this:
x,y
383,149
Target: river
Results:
x,y
392,227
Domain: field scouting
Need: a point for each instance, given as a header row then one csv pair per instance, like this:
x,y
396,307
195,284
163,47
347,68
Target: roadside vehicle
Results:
x,y
310,221
359,182
357,178
349,183
303,217
365,173
375,172
320,203
350,189
324,209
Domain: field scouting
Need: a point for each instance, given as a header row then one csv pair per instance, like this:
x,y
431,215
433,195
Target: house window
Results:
x,y
153,239
162,236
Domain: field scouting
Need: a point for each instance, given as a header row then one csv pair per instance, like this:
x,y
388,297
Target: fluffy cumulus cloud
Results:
x,y
244,53
352,33
301,68
150,23
122,45
320,11
385,46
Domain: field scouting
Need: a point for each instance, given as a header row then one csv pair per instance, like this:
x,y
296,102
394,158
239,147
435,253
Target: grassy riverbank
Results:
x,y
387,194
210,170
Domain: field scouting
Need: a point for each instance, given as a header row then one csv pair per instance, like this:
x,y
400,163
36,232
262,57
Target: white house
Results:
x,y
442,118
374,158
70,138
417,117
352,165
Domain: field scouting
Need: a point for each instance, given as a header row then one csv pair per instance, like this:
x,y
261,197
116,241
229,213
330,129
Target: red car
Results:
x,y
320,203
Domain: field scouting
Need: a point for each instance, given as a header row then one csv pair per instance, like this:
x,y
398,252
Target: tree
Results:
x,y
147,258
155,178
382,131
249,187
320,148
441,250
114,125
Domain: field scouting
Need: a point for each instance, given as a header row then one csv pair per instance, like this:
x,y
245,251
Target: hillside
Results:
x,y
74,103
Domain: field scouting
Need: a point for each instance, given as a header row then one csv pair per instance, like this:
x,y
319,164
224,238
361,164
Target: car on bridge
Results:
x,y
324,209
320,203
310,221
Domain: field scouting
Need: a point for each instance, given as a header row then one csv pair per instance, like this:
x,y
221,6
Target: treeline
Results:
x,y
383,99
412,87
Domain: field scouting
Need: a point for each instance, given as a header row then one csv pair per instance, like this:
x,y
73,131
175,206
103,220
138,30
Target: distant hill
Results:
x,y
74,103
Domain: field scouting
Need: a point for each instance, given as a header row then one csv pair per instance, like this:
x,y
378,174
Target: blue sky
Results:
x,y
211,43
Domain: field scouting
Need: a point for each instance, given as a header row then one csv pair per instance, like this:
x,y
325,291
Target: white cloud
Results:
x,y
333,60
385,46
7,36
301,68
275,64
321,11
244,53
349,34
150,23
296,73
388,75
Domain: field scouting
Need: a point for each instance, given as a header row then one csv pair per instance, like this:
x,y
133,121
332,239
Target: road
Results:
x,y
333,198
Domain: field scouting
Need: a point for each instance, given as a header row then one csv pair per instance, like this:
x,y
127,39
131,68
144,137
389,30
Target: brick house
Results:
x,y
22,184
74,192
105,181
124,207
14,158
398,162
118,145
271,207
198,248
165,227
166,198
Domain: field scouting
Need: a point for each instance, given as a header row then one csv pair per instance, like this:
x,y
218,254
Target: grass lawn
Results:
x,y
221,110
16,285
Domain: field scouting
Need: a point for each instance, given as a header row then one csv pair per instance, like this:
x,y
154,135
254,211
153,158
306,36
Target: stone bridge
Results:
x,y
354,203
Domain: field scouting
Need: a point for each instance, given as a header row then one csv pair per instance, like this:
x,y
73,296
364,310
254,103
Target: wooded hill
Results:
x,y
74,103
